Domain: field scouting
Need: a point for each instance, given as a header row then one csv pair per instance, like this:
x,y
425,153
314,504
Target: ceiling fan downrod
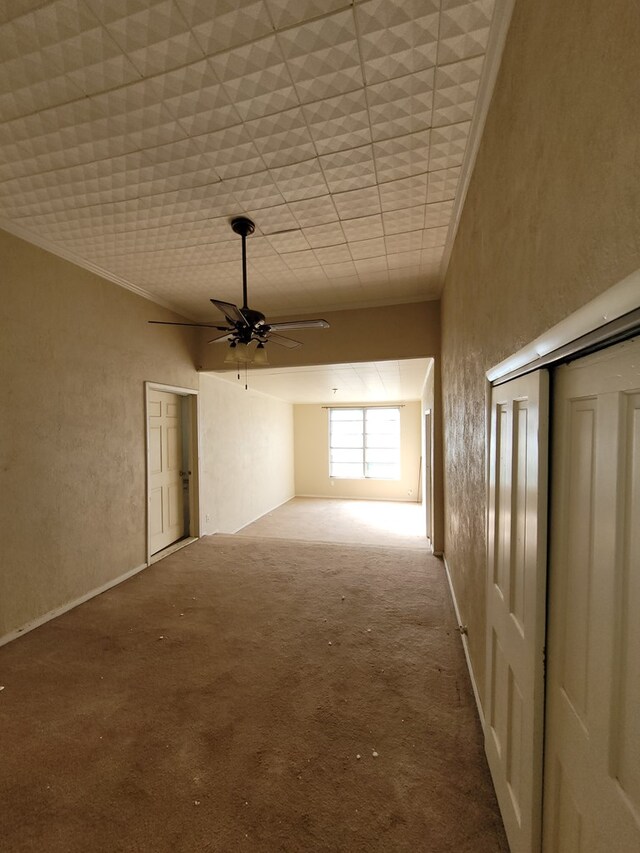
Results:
x,y
243,226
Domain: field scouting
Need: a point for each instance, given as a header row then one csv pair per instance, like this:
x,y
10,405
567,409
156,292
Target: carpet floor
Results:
x,y
247,694
400,524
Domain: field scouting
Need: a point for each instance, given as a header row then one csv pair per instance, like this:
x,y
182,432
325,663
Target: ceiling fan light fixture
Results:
x,y
230,357
260,355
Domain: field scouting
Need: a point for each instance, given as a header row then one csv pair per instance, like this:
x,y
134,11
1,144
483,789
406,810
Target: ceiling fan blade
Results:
x,y
221,338
300,324
283,342
232,313
197,325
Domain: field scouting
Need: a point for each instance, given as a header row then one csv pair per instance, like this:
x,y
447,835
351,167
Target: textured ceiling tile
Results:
x,y
434,237
230,162
402,156
271,219
246,60
464,29
282,138
456,91
292,241
11,9
333,255
401,106
443,184
300,180
346,269
314,211
407,219
430,258
256,191
363,228
368,248
48,93
323,57
366,266
409,241
438,213
357,203
403,193
242,23
58,21
143,25
104,74
143,176
398,37
448,145
288,12
349,170
403,260
300,260
320,236
339,123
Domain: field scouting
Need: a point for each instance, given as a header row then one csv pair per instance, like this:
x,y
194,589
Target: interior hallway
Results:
x,y
256,694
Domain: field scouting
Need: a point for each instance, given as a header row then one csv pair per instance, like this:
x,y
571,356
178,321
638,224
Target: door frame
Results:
x,y
191,431
427,425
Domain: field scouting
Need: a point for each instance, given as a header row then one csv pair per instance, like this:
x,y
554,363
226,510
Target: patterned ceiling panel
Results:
x,y
131,131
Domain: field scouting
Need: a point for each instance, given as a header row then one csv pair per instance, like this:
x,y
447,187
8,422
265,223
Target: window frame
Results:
x,y
363,475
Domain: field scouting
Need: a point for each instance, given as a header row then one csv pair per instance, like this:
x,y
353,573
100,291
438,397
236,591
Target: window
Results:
x,y
364,443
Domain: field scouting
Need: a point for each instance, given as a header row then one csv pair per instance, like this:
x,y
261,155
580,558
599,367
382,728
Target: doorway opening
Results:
x,y
172,468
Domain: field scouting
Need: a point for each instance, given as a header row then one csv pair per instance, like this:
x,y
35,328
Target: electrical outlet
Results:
x,y
206,518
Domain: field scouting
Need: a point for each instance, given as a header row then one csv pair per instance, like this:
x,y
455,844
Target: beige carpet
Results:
x,y
397,523
248,695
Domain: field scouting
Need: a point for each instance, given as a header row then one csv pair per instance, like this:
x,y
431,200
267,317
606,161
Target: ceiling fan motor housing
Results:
x,y
243,226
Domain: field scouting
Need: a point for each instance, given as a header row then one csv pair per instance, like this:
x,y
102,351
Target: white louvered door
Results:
x,y
516,583
592,756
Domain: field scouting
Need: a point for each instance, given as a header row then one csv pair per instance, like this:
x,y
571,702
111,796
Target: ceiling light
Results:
x,y
260,355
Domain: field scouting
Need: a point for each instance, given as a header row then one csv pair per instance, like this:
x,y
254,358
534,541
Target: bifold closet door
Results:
x,y
516,584
592,756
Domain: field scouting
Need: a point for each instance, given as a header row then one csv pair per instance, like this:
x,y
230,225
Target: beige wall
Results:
x,y
312,458
75,351
368,334
552,219
246,454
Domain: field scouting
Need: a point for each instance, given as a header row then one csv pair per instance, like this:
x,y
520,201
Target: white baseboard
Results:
x,y
171,549
465,644
53,614
352,498
266,512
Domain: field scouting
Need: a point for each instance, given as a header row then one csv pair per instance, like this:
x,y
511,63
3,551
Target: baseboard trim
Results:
x,y
171,549
58,611
352,498
271,509
465,643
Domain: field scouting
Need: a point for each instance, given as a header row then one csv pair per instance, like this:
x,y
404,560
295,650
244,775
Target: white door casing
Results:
x,y
516,588
592,753
166,494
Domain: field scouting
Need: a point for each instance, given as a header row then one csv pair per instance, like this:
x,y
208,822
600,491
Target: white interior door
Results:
x,y
166,494
516,584
428,494
592,760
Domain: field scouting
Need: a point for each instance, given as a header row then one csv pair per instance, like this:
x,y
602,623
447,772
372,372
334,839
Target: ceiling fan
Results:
x,y
245,325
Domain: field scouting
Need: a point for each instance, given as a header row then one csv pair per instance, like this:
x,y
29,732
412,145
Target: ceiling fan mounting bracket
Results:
x,y
243,226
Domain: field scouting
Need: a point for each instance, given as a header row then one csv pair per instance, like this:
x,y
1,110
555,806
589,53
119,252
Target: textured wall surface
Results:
x,y
552,218
75,351
312,458
246,454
